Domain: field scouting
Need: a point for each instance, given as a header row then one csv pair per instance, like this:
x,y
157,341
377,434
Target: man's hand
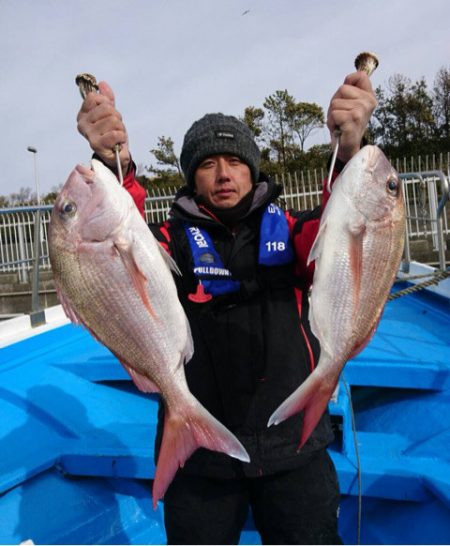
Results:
x,y
350,110
101,124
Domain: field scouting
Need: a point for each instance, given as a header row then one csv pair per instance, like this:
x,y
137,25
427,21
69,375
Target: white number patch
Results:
x,y
276,246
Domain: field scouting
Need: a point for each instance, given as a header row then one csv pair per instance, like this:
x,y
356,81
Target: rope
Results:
x,y
358,461
437,277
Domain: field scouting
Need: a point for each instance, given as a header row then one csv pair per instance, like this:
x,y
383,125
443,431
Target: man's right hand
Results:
x,y
101,124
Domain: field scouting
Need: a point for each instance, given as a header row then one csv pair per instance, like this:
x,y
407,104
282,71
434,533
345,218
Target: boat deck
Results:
x,y
77,438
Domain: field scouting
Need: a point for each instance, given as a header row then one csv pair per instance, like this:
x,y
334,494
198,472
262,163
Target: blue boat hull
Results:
x,y
76,438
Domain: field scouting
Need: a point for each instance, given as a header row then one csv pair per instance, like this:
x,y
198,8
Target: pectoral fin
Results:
x,y
169,260
316,249
138,278
143,383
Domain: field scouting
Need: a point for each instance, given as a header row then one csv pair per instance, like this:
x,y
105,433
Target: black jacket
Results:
x,y
253,348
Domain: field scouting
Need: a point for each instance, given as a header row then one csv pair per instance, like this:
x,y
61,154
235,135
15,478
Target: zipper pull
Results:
x,y
200,295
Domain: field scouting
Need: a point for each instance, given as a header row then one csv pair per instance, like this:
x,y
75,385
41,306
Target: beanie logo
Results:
x,y
223,134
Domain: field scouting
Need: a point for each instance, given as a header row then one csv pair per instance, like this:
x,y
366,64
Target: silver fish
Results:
x,y
112,276
357,253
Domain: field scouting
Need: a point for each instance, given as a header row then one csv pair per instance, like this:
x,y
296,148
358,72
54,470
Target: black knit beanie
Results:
x,y
216,134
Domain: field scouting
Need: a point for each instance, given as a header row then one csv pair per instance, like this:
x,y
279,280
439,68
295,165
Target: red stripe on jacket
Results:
x,y
298,297
136,191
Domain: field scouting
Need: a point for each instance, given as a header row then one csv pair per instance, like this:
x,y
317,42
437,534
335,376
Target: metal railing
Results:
x,y
18,243
24,230
425,212
428,212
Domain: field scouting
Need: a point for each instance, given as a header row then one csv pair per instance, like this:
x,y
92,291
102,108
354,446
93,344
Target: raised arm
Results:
x,y
102,126
350,110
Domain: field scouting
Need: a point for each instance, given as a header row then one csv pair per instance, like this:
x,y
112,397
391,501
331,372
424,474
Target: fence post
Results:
x,y
37,315
23,272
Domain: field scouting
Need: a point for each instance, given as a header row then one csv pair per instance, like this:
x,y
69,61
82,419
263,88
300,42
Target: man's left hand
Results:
x,y
350,110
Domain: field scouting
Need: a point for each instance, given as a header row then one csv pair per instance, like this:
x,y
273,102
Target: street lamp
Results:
x,y
37,315
34,152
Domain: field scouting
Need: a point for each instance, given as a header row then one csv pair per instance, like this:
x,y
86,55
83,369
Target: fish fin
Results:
x,y
182,435
316,249
189,349
143,383
312,397
138,278
169,260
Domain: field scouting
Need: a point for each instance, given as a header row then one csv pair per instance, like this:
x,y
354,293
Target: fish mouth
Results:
x,y
78,187
87,173
78,197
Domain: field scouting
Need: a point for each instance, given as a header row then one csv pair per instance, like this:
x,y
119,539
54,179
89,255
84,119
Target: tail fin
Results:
x,y
312,396
182,435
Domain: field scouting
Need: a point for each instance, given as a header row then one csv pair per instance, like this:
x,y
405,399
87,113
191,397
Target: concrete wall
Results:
x,y
15,297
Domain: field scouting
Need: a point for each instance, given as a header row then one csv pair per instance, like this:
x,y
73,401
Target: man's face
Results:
x,y
223,180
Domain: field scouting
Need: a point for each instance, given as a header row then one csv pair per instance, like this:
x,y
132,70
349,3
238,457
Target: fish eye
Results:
x,y
392,186
68,208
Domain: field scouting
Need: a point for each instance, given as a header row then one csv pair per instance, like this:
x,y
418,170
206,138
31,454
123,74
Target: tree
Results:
x,y
253,118
404,121
306,118
280,107
165,156
441,106
317,156
23,196
420,107
281,129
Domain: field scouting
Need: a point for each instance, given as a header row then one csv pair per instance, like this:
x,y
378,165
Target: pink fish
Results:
x,y
357,253
112,276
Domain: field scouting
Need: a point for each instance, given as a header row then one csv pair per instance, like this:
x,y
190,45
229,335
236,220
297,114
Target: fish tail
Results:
x,y
183,434
312,397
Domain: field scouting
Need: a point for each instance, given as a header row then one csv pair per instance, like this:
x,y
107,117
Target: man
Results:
x,y
244,288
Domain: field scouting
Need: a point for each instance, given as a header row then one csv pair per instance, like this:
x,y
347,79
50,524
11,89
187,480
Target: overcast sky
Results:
x,y
171,61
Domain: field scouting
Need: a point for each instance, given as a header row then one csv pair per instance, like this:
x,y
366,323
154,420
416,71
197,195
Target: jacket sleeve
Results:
x,y
162,235
303,227
133,187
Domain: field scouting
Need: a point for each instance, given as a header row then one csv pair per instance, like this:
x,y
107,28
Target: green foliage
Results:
x,y
279,108
253,118
283,126
441,108
170,174
306,118
404,123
